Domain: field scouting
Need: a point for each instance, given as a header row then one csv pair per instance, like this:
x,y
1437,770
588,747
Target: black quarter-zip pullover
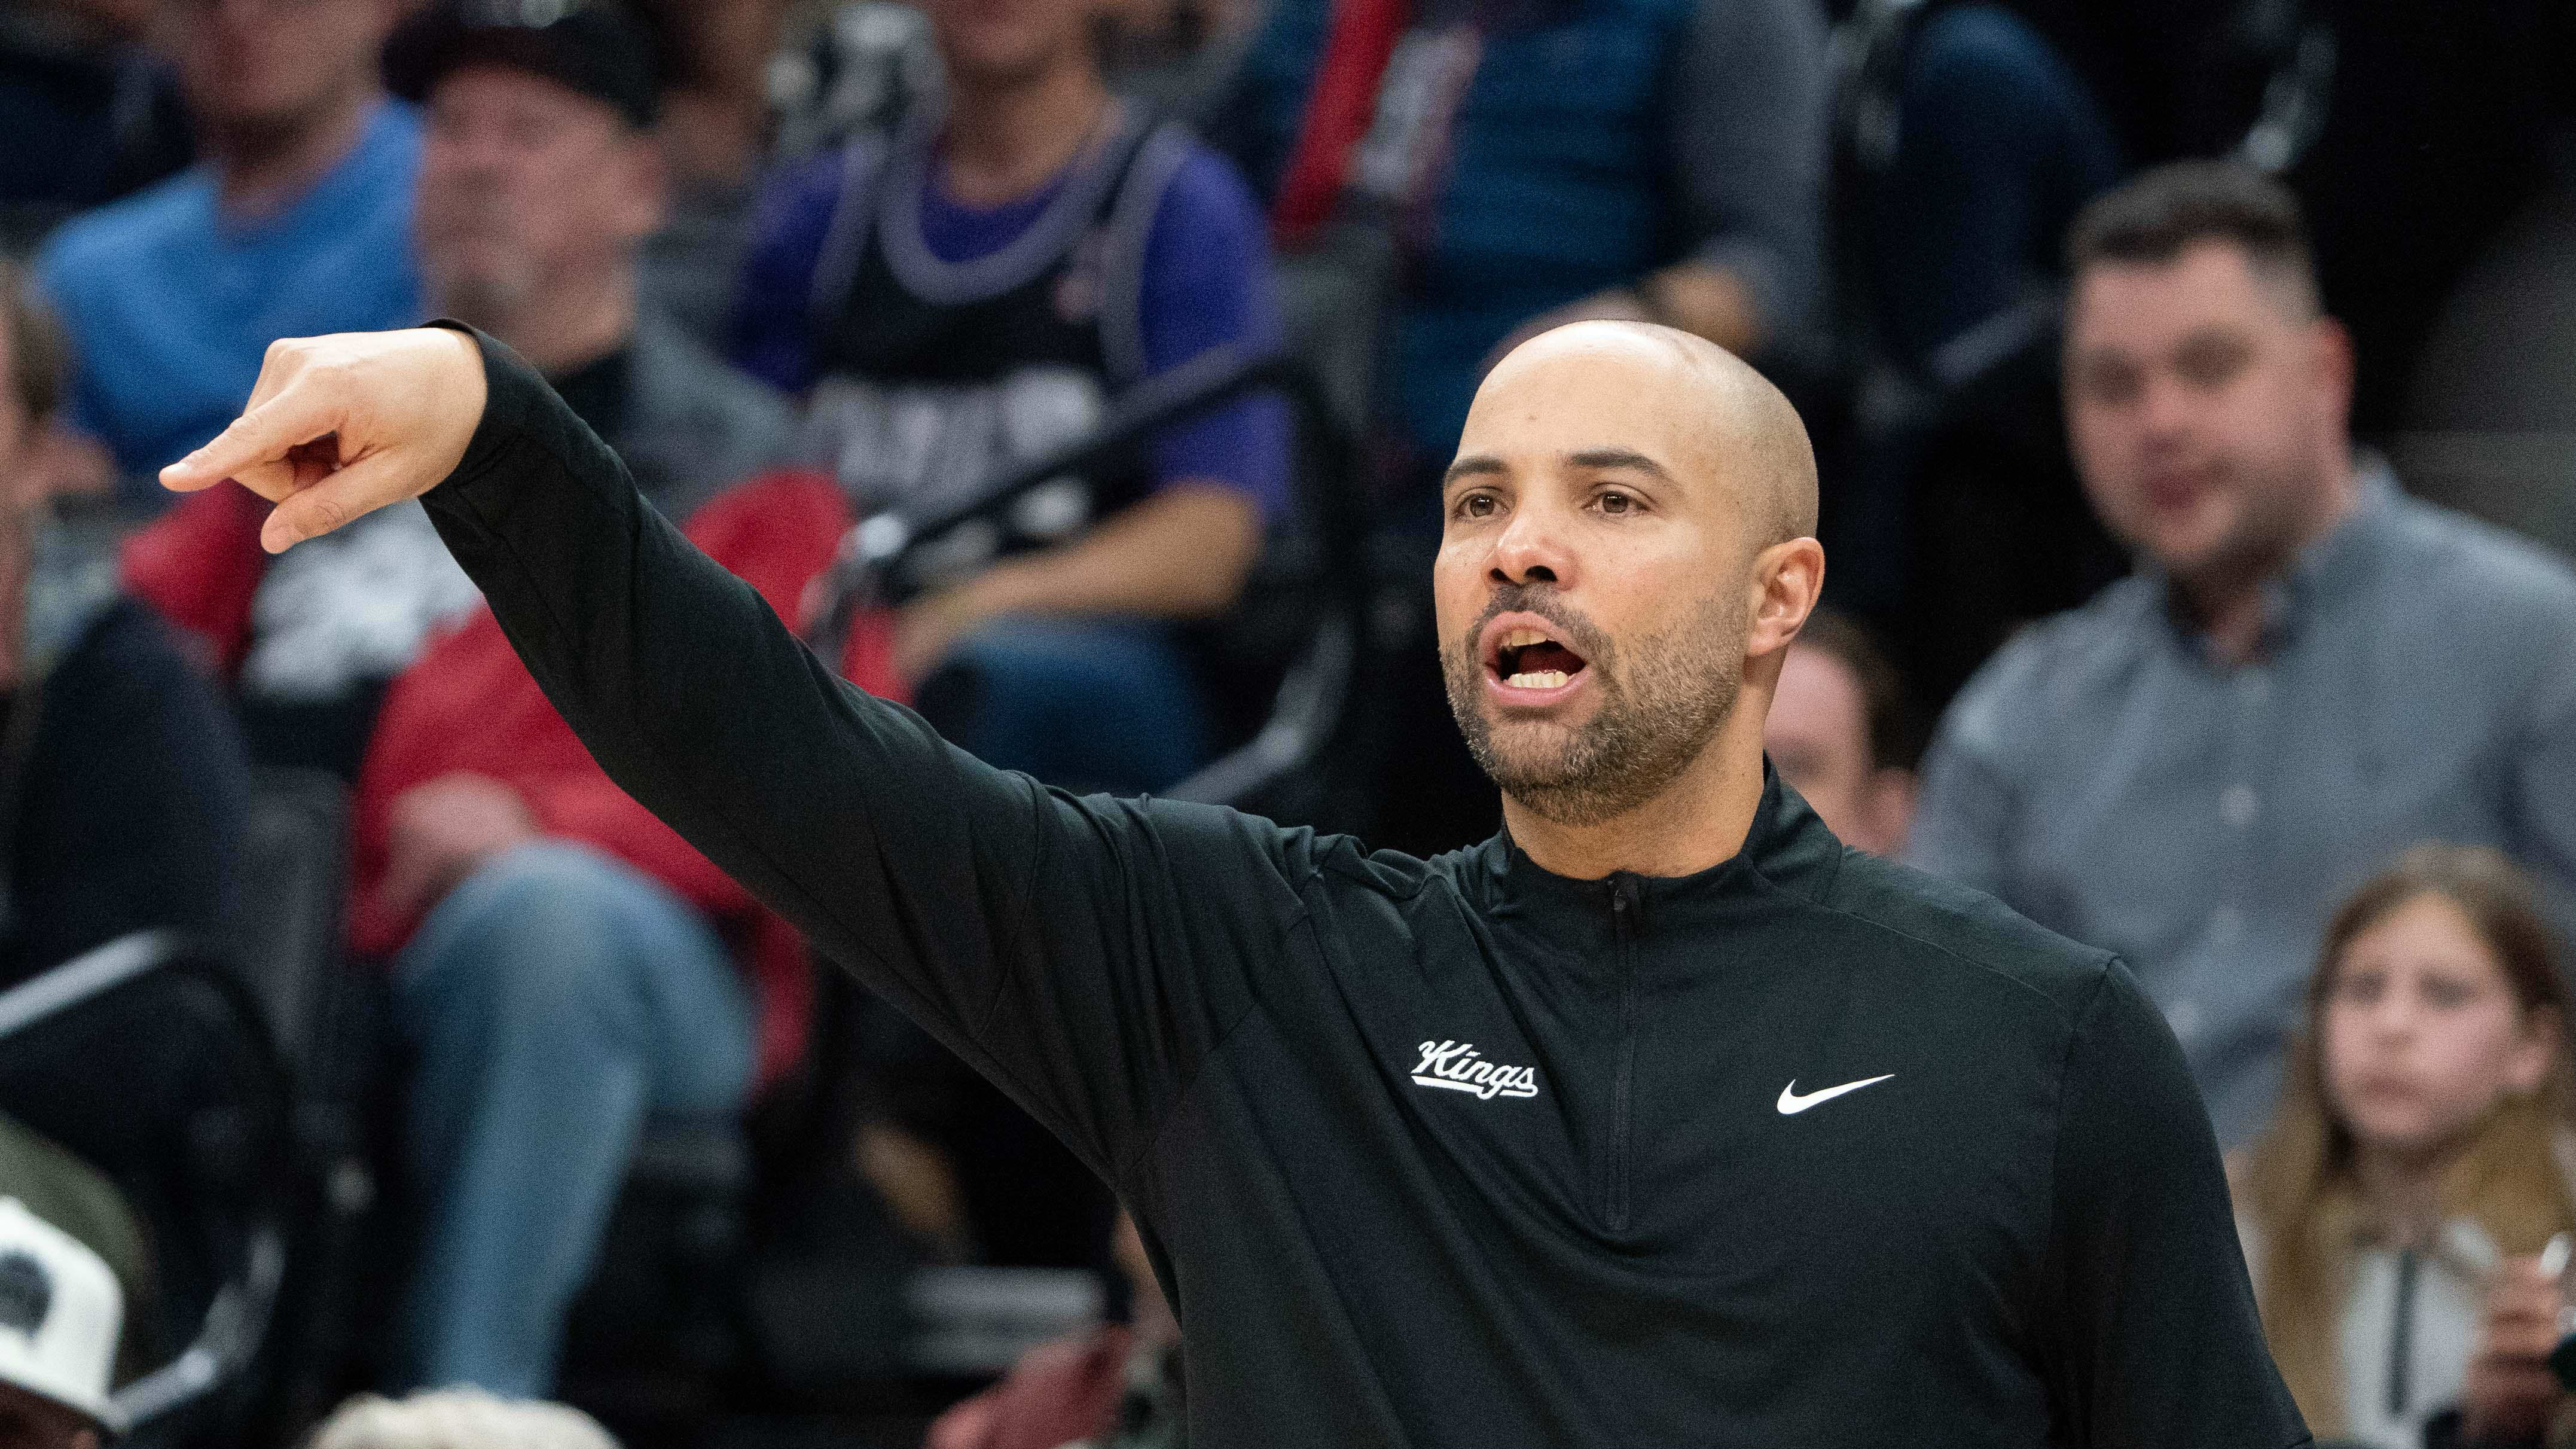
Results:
x,y
1805,1150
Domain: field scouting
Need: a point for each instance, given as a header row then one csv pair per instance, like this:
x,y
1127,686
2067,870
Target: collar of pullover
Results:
x,y
1788,849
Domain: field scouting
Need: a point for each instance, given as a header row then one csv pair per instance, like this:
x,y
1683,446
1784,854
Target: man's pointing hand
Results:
x,y
341,426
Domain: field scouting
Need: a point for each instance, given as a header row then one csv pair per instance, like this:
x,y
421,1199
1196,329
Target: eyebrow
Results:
x,y
1482,465
1474,465
1619,458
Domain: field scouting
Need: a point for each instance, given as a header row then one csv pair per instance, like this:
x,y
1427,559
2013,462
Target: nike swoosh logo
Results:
x,y
1791,1104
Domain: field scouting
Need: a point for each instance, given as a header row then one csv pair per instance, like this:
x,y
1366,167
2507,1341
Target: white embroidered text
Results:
x,y
1455,1066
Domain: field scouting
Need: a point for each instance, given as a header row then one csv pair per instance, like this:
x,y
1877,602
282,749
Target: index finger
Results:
x,y
2518,1281
262,435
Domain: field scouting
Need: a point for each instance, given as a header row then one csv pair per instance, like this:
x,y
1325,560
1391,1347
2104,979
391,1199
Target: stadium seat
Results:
x,y
145,1058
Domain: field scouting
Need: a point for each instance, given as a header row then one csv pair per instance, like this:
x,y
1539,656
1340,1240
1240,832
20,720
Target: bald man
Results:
x,y
1661,1118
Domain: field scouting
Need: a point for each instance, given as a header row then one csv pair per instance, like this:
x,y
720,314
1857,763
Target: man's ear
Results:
x,y
1787,580
2331,364
648,190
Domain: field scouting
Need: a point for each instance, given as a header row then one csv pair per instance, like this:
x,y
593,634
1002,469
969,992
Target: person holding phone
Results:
x,y
2407,1216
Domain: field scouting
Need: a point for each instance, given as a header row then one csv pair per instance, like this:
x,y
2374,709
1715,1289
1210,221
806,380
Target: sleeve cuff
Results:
x,y
514,397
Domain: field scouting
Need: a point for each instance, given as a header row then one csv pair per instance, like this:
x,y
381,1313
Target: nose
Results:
x,y
1533,549
2165,412
2394,1015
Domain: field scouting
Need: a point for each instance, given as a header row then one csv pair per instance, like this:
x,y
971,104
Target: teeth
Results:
x,y
1523,638
1540,679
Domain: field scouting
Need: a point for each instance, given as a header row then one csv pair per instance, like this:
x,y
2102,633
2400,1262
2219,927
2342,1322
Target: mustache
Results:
x,y
1573,629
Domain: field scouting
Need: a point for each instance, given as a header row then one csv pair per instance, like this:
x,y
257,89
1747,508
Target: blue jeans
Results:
x,y
556,999
1085,704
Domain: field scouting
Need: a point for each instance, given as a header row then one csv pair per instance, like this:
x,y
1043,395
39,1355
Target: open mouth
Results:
x,y
1526,658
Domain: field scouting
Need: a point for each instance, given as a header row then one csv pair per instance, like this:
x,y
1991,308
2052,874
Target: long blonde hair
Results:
x,y
2300,1189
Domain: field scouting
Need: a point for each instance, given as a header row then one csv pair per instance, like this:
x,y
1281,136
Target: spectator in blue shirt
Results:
x,y
1539,162
2310,671
295,222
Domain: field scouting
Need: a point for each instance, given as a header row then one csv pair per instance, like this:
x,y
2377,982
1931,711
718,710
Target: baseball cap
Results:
x,y
586,46
60,1310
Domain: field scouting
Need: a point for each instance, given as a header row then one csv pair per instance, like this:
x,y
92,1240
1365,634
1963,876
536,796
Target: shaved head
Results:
x,y
1748,426
1616,554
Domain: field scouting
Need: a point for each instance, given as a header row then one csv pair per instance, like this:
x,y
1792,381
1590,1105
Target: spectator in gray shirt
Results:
x,y
2309,672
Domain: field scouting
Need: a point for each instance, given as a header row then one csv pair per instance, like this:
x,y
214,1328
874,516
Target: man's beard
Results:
x,y
1663,698
2271,526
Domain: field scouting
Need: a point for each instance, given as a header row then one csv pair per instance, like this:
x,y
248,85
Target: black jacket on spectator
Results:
x,y
129,790
1806,1149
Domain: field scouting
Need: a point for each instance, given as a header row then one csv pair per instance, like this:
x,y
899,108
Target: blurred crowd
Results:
x,y
2194,387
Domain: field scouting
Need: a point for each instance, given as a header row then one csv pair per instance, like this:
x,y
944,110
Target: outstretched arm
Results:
x,y
1083,953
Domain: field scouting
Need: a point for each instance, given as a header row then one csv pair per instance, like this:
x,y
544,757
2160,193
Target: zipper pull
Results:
x,y
1623,901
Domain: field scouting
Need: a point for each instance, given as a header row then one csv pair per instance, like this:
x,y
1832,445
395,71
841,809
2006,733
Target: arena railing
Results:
x,y
1313,690
183,1399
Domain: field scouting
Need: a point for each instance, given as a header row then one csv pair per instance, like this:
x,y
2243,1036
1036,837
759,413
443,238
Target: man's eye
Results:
x,y
1476,505
2212,364
1615,502
2109,386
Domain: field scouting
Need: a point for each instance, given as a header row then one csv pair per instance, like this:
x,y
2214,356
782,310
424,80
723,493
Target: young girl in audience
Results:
x,y
2399,1216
